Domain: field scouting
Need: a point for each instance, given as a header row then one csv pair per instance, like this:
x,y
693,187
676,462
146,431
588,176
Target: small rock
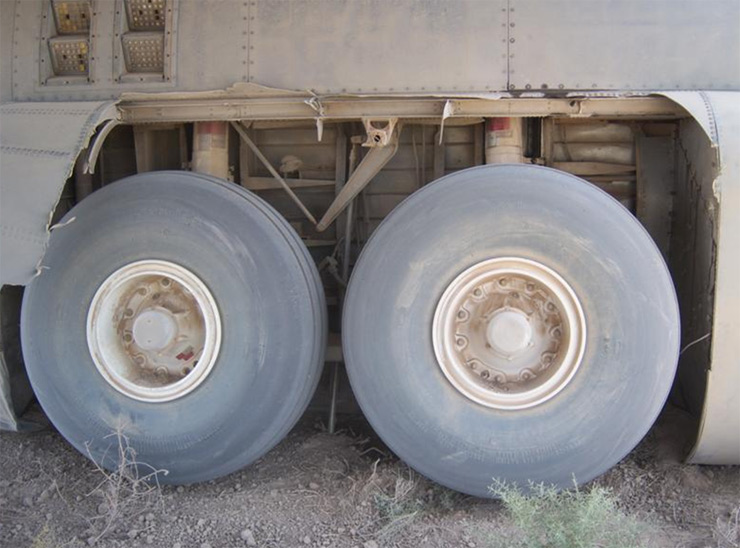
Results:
x,y
132,533
91,541
49,516
102,508
370,544
78,498
150,539
201,523
306,540
248,537
177,545
313,485
340,530
149,517
273,493
28,501
180,489
205,545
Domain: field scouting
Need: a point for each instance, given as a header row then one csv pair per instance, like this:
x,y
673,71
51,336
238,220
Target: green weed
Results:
x,y
546,517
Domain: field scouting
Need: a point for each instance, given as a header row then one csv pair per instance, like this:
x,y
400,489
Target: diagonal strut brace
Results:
x,y
369,167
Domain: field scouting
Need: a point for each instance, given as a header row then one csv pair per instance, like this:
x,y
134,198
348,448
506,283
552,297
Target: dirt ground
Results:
x,y
342,490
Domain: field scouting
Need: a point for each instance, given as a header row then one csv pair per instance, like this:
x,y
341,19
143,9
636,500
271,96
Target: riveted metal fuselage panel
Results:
x,y
409,46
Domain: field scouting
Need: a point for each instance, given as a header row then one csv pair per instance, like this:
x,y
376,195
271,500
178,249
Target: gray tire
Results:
x,y
272,312
591,241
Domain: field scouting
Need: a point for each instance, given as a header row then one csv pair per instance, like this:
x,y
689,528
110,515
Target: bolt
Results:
x,y
530,287
461,314
484,374
127,337
128,312
477,292
460,342
165,282
503,281
550,307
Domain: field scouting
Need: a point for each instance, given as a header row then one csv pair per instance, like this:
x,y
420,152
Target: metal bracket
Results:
x,y
315,103
379,136
447,111
371,164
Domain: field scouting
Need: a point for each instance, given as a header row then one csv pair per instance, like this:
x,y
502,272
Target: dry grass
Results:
x,y
128,491
727,531
397,504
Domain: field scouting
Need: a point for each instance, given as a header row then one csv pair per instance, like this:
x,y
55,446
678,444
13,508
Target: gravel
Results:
x,y
321,490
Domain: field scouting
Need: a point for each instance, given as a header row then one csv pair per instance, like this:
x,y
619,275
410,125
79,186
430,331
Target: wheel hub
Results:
x,y
509,333
153,330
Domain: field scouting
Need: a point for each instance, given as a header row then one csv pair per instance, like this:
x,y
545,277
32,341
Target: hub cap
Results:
x,y
153,330
509,333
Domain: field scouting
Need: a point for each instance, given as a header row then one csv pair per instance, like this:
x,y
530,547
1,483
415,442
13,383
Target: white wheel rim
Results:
x,y
509,333
153,330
